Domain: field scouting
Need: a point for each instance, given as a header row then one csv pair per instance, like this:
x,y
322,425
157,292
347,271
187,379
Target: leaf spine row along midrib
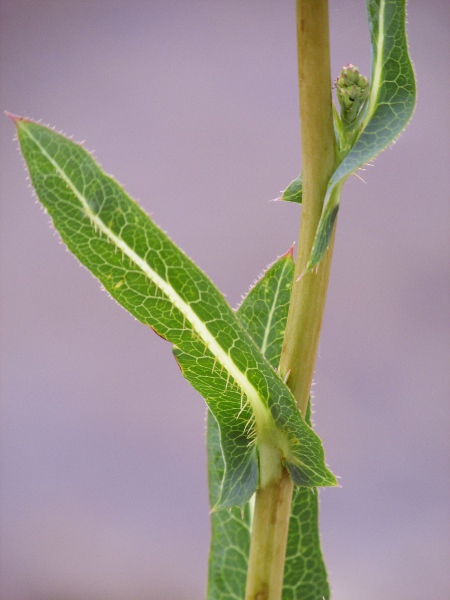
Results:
x,y
259,409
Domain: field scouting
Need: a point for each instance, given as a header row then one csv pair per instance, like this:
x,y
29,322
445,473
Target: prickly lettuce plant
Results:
x,y
252,366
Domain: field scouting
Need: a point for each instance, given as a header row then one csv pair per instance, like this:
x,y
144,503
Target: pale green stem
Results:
x,y
270,527
274,495
318,162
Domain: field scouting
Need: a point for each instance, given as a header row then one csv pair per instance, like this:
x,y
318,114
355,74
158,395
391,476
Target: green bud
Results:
x,y
352,92
363,82
351,73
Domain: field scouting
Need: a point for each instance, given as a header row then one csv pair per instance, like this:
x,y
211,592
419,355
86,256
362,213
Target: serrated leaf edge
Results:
x,y
260,410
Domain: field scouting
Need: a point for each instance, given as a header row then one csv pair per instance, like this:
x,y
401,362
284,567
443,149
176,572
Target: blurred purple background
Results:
x,y
193,107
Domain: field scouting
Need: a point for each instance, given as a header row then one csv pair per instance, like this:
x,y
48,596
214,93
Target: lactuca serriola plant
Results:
x,y
265,462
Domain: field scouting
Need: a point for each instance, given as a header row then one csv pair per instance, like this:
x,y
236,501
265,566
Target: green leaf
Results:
x,y
294,191
264,310
264,314
230,529
390,107
305,574
158,284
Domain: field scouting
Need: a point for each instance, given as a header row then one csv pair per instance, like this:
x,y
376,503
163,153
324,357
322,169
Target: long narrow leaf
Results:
x,y
391,105
158,284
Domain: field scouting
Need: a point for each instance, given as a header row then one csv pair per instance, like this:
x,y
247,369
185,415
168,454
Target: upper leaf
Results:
x,y
158,284
390,106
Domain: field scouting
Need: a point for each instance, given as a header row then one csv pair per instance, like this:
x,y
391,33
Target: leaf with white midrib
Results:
x,y
391,105
157,283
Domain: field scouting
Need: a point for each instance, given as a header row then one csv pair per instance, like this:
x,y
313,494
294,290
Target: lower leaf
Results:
x,y
305,574
230,530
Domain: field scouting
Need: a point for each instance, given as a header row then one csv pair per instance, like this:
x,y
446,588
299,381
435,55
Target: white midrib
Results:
x,y
376,80
259,409
270,317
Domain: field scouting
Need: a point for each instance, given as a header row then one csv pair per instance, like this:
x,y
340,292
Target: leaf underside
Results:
x,y
159,285
264,313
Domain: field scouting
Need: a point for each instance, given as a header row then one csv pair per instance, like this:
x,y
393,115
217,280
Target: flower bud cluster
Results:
x,y
352,92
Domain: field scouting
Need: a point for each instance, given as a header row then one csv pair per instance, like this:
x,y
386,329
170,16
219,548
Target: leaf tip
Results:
x,y
14,118
289,253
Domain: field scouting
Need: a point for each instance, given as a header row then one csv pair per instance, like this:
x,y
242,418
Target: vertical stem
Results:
x,y
318,161
274,495
269,537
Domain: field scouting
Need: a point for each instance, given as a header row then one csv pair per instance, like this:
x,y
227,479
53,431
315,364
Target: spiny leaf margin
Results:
x,y
146,273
